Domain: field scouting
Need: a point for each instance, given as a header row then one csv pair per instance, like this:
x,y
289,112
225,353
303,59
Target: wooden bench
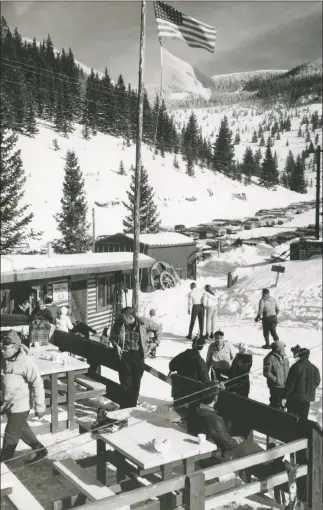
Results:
x,y
86,387
19,496
85,482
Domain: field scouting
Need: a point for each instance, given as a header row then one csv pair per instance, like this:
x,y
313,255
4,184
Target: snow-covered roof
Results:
x,y
15,268
162,239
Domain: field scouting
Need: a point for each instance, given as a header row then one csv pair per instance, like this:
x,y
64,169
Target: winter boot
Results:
x,y
266,346
211,336
188,337
38,455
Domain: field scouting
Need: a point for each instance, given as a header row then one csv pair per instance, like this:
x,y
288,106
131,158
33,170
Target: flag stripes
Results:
x,y
172,24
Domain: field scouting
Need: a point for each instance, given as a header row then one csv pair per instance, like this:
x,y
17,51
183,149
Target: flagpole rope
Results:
x,y
160,92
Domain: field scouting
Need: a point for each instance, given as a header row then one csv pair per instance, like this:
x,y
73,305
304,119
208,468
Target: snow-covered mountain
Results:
x,y
235,81
308,69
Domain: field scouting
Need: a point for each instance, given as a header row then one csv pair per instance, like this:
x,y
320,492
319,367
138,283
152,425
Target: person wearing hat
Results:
x,y
239,382
275,370
21,384
302,380
267,312
219,357
190,363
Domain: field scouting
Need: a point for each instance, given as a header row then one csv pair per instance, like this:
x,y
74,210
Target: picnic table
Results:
x,y
53,372
134,443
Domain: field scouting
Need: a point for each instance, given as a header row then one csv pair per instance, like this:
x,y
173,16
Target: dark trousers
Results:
x,y
131,369
300,409
17,428
269,325
276,396
197,312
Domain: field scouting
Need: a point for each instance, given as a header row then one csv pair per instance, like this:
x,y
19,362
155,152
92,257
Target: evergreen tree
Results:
x,y
308,137
299,132
121,169
254,137
237,138
55,145
190,144
257,159
223,155
248,165
297,181
260,131
14,216
269,172
270,141
149,217
310,148
262,142
285,180
316,140
278,135
31,127
72,220
175,163
289,165
190,168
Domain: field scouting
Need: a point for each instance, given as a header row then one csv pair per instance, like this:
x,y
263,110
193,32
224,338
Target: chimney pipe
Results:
x,y
49,249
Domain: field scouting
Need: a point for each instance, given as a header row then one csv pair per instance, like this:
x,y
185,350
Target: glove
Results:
x,y
189,312
119,351
257,318
40,414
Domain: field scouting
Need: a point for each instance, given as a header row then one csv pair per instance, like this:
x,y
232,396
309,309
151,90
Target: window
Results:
x,y
105,291
128,280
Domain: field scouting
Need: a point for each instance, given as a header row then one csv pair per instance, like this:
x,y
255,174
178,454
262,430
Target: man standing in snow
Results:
x,y
220,356
196,307
130,338
275,370
302,381
268,311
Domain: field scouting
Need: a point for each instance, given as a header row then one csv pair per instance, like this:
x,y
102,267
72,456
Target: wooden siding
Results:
x,y
96,319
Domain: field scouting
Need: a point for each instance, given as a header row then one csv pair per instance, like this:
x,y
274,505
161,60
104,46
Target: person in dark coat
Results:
x,y
205,419
22,309
302,380
190,363
239,372
42,313
275,370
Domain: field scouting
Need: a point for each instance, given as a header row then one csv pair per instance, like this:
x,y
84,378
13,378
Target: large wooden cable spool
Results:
x,y
163,276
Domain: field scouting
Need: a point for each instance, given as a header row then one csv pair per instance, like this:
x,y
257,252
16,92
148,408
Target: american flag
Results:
x,y
172,24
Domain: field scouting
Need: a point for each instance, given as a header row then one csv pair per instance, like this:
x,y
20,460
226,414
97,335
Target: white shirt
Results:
x,y
195,297
210,299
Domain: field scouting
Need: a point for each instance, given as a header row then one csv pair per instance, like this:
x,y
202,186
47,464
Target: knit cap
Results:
x,y
11,336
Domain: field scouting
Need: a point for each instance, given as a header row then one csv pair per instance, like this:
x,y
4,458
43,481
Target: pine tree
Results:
x,y
270,141
262,142
55,145
149,217
31,127
316,140
285,180
190,168
248,165
121,169
237,138
257,159
308,137
289,165
278,135
297,181
72,220
299,132
254,137
14,216
223,155
269,172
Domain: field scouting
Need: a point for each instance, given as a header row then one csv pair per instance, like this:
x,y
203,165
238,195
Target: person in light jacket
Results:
x,y
268,311
196,308
21,386
302,380
130,337
210,301
62,321
275,370
219,357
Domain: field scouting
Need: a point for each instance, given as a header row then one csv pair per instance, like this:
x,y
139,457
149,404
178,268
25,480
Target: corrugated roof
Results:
x,y
162,239
15,268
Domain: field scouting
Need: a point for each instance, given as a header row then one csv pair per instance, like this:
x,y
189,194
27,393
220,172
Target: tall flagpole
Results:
x,y
136,246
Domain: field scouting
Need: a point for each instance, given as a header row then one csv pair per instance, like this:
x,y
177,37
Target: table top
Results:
x,y
48,367
135,441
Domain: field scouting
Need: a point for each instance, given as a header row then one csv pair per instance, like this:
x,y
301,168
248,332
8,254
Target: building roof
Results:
x,y
18,268
161,239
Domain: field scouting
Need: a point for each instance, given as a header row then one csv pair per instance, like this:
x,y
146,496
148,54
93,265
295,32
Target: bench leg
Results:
x,y
121,466
54,403
70,401
167,499
69,502
101,468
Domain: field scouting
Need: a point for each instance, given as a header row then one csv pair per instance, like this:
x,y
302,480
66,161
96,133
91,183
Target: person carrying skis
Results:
x,y
268,311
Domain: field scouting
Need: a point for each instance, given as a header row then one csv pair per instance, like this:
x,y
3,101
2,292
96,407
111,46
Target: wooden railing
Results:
x,y
305,439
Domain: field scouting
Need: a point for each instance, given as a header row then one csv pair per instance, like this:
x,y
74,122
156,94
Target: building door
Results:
x,y
79,299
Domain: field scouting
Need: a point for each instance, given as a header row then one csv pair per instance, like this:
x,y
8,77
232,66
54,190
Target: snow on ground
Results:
x,y
179,198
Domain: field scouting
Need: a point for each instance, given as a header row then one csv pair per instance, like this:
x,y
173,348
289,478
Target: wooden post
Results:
x,y
315,474
93,230
195,491
277,279
219,248
318,192
136,240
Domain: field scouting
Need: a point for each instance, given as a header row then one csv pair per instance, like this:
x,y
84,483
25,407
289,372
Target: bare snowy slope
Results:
x,y
179,198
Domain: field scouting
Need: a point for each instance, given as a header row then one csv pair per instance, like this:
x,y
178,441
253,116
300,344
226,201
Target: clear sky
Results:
x,y
250,35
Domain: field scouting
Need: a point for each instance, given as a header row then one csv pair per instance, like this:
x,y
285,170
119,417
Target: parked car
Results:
x,y
255,222
179,228
269,220
261,212
232,229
